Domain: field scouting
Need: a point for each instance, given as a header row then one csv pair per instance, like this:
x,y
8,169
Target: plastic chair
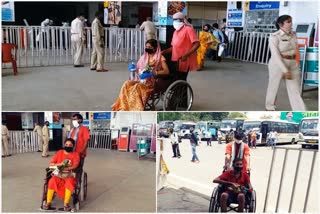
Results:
x,y
8,56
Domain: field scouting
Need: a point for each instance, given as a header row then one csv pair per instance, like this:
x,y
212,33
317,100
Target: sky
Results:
x,y
258,114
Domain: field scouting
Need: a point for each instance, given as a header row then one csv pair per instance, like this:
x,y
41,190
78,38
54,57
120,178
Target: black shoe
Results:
x,y
219,59
39,151
78,66
174,156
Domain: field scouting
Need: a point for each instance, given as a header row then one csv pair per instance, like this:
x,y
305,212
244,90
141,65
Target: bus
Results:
x,y
227,124
184,128
308,129
288,132
163,128
208,126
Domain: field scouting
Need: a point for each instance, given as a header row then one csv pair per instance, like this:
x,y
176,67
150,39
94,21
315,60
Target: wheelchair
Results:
x,y
175,94
80,192
250,201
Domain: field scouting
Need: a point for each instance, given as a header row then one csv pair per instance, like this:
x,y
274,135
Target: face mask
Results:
x,y
68,149
238,141
149,50
75,123
47,124
238,169
177,24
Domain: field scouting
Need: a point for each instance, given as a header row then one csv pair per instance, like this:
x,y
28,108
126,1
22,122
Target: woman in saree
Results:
x,y
206,39
134,93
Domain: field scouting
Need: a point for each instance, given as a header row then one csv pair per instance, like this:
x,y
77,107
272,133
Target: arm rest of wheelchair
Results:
x,y
163,76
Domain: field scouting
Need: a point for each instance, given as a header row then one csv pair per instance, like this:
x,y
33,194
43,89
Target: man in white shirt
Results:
x,y
77,40
175,143
273,136
149,29
5,137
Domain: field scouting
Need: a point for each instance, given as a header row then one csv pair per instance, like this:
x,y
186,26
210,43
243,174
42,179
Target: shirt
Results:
x,y
4,130
97,30
83,136
149,28
229,175
182,42
246,152
38,129
77,28
219,35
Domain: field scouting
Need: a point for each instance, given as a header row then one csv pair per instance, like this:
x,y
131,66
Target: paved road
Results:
x,y
229,85
117,182
198,177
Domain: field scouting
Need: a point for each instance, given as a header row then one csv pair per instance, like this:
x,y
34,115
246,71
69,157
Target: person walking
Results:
x,y
46,138
219,137
194,143
150,31
5,140
254,139
38,130
217,33
282,65
81,135
97,56
206,39
175,143
184,47
77,40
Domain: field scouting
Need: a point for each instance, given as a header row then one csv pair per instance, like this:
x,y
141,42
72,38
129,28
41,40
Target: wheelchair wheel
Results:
x,y
214,201
178,97
253,202
152,102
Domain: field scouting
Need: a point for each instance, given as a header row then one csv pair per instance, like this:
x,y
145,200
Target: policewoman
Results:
x,y
282,65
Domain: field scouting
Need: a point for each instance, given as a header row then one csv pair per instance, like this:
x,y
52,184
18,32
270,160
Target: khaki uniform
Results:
x,y
285,44
5,143
38,129
77,40
97,57
149,29
46,138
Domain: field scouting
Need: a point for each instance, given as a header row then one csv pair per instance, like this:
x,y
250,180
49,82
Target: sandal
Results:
x,y
47,207
67,208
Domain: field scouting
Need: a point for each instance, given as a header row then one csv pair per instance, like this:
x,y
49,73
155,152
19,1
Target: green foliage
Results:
x,y
191,116
237,115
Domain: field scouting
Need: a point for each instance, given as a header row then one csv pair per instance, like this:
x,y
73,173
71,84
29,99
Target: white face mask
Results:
x,y
238,141
75,123
177,24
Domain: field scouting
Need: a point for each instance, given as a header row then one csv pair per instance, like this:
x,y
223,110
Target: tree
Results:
x,y
236,115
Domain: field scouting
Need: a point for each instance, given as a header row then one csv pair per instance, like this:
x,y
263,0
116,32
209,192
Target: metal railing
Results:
x,y
23,141
249,46
44,46
100,140
308,174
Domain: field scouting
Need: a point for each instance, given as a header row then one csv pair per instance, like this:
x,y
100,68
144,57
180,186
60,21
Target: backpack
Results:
x,y
225,37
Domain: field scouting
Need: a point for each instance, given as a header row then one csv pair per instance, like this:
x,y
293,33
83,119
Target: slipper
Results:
x,y
65,209
47,208
92,69
102,70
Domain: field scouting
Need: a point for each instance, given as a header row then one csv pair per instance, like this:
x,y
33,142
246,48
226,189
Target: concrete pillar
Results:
x,y
93,7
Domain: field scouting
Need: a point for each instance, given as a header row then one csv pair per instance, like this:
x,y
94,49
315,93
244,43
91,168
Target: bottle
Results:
x,y
132,69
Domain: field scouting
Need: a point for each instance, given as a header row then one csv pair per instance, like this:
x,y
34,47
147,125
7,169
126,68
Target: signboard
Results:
x,y
175,7
27,120
297,116
102,116
162,11
7,9
264,5
86,123
114,12
235,18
